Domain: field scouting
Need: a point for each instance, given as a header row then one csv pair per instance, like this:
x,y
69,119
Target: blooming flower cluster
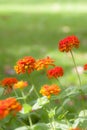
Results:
x,y
55,72
48,90
20,84
8,84
8,81
43,63
29,64
25,65
68,43
9,105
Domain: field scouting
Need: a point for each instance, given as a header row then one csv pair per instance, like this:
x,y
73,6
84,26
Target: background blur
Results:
x,y
34,28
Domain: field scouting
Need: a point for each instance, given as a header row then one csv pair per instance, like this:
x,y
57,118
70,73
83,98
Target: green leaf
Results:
x,y
26,108
40,126
82,117
51,113
1,90
67,92
59,125
22,128
40,103
83,113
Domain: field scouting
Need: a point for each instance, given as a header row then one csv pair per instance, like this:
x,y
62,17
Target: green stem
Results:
x,y
80,90
59,82
34,86
76,68
51,119
15,93
30,121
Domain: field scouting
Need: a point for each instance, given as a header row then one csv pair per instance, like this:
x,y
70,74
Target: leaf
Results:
x,y
30,91
51,113
26,109
59,125
61,108
68,92
82,117
40,103
1,90
22,128
40,126
83,113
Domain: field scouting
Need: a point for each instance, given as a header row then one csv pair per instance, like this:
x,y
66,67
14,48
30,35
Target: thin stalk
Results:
x,y
76,68
80,90
59,82
15,93
52,120
34,87
30,121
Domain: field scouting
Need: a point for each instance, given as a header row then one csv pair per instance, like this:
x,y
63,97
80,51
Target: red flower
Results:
x,y
47,90
9,105
68,43
55,72
85,67
8,83
43,63
25,65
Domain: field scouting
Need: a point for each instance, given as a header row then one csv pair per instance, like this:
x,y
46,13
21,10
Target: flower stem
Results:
x,y
80,90
33,85
59,82
30,121
76,68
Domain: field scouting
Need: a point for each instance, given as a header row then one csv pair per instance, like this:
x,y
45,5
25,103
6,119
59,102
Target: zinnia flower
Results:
x,y
55,72
68,43
44,63
75,129
8,83
85,67
47,90
25,65
9,105
20,84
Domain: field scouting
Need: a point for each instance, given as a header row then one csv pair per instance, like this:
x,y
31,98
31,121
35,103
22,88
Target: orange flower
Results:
x,y
3,110
20,84
47,90
85,67
9,105
68,43
75,129
8,83
44,63
55,72
25,65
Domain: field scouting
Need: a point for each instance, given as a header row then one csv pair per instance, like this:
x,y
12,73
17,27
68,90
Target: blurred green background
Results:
x,y
34,28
